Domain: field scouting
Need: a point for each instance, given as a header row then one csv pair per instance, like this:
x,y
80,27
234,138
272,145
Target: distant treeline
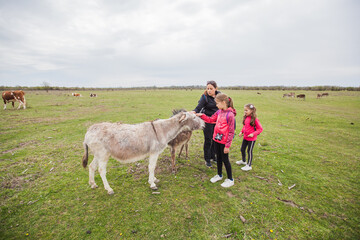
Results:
x,y
284,88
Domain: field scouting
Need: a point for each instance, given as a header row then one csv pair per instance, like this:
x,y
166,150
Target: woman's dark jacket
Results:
x,y
206,105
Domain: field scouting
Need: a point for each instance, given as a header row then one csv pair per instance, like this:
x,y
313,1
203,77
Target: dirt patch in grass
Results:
x,y
163,165
140,169
16,182
293,204
47,120
21,146
230,194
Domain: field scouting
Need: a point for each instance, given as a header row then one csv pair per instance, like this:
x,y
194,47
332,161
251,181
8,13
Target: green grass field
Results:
x,y
313,144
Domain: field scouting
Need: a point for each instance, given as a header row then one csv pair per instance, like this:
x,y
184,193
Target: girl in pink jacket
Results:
x,y
223,135
252,128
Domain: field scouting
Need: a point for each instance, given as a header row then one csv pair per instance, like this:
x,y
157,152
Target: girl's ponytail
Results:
x,y
228,100
230,104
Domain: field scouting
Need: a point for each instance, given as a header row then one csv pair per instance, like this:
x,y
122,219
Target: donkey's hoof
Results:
x,y
153,187
110,192
94,186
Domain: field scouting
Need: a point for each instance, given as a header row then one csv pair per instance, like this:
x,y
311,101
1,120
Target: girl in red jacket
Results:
x,y
223,135
252,128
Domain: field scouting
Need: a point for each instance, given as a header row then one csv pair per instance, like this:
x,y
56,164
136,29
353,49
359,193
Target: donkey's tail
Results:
x,y
86,156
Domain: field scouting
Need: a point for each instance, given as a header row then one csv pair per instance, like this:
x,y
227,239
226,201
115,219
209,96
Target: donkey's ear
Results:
x,y
184,116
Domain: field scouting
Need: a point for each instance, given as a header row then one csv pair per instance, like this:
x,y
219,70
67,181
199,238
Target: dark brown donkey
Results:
x,y
182,139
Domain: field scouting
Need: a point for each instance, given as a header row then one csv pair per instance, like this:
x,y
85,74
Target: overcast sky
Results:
x,y
130,43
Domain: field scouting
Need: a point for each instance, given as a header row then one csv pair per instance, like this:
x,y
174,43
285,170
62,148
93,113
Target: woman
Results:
x,y
207,105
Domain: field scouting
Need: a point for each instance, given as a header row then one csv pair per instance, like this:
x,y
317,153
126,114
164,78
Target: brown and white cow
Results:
x,y
292,95
286,95
76,94
13,96
322,95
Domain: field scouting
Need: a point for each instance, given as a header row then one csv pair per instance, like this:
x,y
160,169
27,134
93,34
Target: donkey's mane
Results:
x,y
176,111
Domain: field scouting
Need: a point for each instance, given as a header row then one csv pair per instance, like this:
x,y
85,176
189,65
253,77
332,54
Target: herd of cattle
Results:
x,y
79,95
292,95
19,96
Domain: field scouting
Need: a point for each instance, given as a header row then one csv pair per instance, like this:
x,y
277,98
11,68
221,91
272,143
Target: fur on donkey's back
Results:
x,y
132,142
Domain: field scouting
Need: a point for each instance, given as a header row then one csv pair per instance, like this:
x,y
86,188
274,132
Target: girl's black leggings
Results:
x,y
250,146
222,158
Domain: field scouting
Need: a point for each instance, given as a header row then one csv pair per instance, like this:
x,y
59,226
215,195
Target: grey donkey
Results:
x,y
132,142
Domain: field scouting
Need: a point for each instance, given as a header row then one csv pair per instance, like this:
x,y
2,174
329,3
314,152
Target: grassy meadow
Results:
x,y
312,144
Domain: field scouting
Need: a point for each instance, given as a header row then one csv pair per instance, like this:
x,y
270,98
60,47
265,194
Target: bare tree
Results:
x,y
46,86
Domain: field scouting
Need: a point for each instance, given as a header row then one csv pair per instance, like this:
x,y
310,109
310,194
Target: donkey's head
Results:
x,y
190,121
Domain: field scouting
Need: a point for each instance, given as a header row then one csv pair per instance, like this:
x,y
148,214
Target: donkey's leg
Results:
x,y
152,164
187,149
102,170
182,147
92,168
173,150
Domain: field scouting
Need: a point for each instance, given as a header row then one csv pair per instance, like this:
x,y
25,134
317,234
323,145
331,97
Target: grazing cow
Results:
x,y
286,95
325,94
301,96
12,96
182,140
319,95
93,95
132,142
76,94
292,94
259,93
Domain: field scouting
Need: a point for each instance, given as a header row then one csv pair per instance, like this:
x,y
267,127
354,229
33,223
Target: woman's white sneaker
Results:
x,y
215,179
246,168
228,183
240,162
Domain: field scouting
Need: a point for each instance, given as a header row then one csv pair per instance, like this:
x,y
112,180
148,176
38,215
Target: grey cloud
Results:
x,y
135,43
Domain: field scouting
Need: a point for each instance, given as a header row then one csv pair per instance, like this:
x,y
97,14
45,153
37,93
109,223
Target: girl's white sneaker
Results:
x,y
215,179
246,168
228,183
240,162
